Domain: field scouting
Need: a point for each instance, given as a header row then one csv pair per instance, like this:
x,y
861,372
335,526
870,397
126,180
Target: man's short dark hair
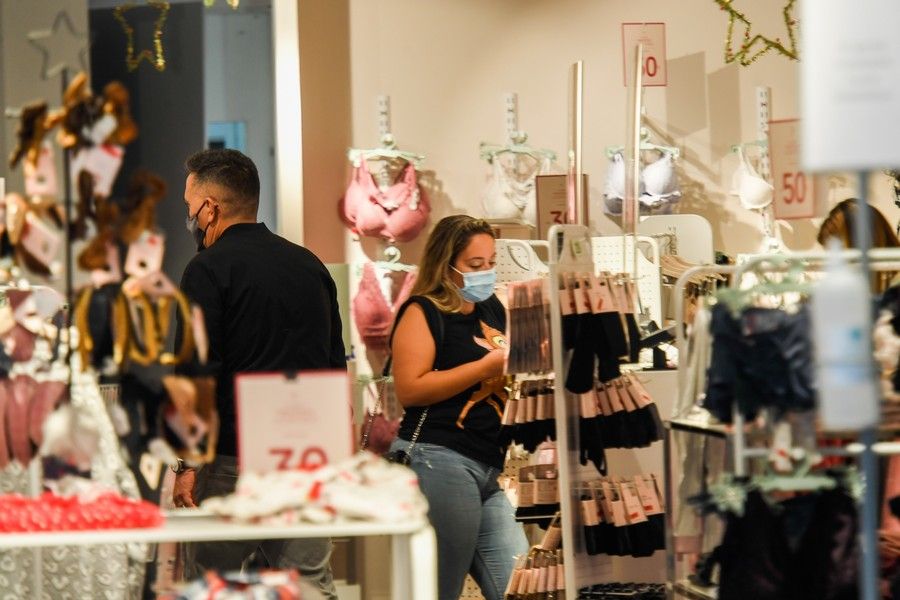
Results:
x,y
232,170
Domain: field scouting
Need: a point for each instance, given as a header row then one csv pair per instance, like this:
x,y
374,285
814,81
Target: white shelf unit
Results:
x,y
413,543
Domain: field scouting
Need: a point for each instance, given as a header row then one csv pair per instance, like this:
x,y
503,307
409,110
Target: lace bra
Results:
x,y
510,194
372,313
754,192
396,214
658,185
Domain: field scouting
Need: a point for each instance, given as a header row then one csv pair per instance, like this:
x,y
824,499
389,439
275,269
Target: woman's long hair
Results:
x,y
447,240
841,224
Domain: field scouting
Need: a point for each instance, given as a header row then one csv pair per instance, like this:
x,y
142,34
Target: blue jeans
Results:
x,y
475,524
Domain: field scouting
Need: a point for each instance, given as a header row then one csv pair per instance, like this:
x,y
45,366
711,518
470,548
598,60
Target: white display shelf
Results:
x,y
414,554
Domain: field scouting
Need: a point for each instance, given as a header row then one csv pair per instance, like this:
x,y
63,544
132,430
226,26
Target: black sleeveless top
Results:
x,y
470,428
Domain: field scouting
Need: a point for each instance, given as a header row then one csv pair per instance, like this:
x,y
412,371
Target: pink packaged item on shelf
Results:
x,y
40,179
103,162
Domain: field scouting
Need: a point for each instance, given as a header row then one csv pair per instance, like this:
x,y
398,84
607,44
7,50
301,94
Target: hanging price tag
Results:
x,y
794,194
284,423
653,37
551,193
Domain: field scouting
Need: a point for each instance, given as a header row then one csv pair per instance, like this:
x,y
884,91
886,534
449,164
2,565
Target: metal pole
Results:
x,y
577,198
67,199
869,570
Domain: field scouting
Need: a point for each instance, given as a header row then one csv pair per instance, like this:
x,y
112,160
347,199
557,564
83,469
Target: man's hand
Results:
x,y
183,492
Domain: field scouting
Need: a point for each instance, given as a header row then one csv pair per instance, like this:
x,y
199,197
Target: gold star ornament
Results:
x,y
155,57
752,47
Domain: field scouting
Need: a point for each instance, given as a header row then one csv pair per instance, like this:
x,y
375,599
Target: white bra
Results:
x,y
754,192
658,185
510,193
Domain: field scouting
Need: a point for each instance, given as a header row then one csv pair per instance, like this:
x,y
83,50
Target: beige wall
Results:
x,y
325,100
447,63
21,63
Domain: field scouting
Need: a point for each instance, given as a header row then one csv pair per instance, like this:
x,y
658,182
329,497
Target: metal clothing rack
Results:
x,y
866,449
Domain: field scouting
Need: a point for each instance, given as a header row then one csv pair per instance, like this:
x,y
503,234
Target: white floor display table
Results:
x,y
413,544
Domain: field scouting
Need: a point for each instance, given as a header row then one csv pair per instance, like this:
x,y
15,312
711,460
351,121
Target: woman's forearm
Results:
x,y
437,386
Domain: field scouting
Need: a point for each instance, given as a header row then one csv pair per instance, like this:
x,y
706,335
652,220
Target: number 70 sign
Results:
x,y
794,194
653,37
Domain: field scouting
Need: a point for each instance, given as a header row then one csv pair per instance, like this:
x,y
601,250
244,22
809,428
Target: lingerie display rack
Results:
x,y
736,435
571,248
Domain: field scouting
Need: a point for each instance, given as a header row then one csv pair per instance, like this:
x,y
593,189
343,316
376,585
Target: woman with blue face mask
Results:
x,y
448,352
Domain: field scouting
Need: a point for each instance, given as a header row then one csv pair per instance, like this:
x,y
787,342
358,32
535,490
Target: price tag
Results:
x,y
551,192
794,194
285,423
653,37
145,255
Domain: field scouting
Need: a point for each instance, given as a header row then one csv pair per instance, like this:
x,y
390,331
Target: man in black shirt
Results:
x,y
269,305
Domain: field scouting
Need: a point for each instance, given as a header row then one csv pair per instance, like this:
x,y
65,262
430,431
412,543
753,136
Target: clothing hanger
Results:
x,y
645,145
791,271
801,480
392,261
516,145
764,144
387,151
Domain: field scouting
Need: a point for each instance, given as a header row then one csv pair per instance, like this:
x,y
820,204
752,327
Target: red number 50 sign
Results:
x,y
653,37
794,197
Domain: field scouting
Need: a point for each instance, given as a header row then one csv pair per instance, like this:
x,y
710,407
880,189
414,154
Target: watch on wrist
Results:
x,y
180,466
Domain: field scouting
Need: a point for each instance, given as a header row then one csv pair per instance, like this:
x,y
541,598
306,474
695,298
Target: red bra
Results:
x,y
398,214
372,314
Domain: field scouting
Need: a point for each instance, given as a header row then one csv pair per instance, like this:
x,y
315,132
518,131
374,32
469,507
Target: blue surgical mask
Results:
x,y
193,227
478,286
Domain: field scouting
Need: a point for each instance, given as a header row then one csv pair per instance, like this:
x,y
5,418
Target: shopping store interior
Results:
x,y
698,386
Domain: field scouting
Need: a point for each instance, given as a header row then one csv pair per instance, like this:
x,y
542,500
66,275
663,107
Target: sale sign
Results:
x,y
794,193
297,422
552,198
653,38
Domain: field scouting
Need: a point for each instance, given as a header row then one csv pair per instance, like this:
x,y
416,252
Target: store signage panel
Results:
x,y
653,37
297,422
794,196
850,84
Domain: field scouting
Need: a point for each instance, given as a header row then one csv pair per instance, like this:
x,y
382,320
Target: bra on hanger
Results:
x,y
397,214
754,192
510,193
660,182
658,185
372,312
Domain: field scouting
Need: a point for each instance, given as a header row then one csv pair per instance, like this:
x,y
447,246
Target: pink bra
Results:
x,y
372,314
398,214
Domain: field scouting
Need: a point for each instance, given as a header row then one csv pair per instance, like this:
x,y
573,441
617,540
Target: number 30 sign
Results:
x,y
794,194
653,37
299,422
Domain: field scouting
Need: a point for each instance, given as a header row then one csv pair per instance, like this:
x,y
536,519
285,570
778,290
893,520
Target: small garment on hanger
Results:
x,y
761,358
373,313
754,192
397,214
659,181
510,192
658,185
802,549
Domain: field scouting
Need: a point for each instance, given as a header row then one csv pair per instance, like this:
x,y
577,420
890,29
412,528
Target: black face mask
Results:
x,y
193,226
